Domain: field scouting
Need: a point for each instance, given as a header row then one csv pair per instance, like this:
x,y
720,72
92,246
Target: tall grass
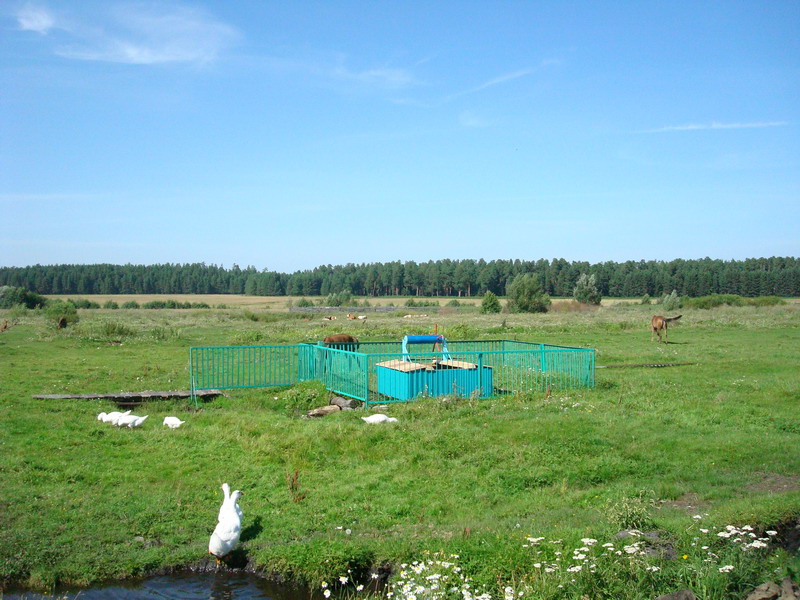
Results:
x,y
647,448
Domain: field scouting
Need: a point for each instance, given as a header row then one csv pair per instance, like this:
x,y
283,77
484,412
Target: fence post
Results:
x,y
366,380
480,374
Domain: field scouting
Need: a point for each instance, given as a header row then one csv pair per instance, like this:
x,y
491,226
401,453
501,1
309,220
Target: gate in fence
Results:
x,y
382,372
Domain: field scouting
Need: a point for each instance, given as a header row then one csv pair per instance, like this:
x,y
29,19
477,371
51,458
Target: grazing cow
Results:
x,y
341,341
351,317
361,317
659,323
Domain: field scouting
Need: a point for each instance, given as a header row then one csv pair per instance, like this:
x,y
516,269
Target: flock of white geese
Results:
x,y
229,519
126,419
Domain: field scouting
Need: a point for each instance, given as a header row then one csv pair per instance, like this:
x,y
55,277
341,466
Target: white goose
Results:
x,y
229,527
173,422
114,417
379,419
138,422
129,420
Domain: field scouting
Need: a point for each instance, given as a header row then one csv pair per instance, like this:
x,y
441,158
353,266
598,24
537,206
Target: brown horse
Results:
x,y
659,323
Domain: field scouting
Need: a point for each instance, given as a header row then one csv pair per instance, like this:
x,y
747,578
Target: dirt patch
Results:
x,y
689,503
774,483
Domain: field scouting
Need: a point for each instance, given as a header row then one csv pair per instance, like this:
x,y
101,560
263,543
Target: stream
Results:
x,y
180,586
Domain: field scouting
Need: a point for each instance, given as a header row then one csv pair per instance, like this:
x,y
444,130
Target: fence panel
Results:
x,y
229,367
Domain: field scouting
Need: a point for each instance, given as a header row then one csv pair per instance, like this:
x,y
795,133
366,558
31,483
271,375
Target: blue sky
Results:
x,y
287,135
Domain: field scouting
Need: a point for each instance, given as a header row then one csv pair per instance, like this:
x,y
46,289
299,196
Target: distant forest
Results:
x,y
751,277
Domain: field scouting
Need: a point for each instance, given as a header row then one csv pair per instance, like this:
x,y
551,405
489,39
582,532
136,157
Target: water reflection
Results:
x,y
180,586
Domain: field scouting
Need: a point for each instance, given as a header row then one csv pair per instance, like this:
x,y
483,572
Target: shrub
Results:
x,y
130,304
586,291
305,396
631,512
342,298
490,303
411,303
525,295
454,303
714,300
111,304
83,303
304,303
12,296
766,301
670,301
646,299
61,313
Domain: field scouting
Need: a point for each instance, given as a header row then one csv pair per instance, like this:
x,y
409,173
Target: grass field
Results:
x,y
683,451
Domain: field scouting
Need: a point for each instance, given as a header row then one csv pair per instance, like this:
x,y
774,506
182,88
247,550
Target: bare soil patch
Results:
x,y
775,483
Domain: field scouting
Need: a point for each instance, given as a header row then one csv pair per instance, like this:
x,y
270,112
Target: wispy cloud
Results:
x,y
715,125
385,77
133,33
35,18
492,82
502,79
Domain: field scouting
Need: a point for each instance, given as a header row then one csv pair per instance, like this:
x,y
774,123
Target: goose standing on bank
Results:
x,y
229,526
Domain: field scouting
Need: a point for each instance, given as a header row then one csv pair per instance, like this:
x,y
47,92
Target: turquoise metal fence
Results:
x,y
380,372
230,367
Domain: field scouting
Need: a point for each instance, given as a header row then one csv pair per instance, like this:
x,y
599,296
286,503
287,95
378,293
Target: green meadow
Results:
x,y
513,486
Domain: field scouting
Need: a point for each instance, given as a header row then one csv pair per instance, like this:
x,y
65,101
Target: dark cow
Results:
x,y
341,341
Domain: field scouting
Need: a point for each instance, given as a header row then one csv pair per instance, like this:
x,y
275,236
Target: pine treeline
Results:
x,y
750,278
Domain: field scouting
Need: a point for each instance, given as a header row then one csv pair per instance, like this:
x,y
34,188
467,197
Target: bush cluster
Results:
x,y
670,301
715,300
411,303
525,295
586,291
490,303
61,313
157,304
83,303
14,296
